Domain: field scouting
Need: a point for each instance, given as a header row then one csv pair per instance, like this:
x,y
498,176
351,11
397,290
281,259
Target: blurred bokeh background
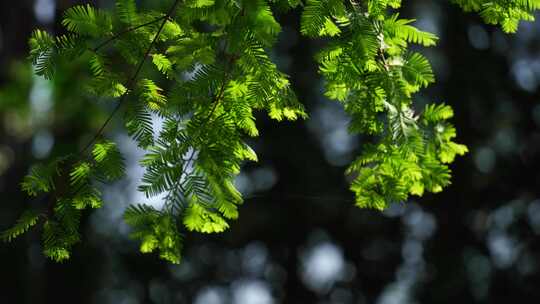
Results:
x,y
299,238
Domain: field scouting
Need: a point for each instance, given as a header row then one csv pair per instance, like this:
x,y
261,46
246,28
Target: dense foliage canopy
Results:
x,y
214,57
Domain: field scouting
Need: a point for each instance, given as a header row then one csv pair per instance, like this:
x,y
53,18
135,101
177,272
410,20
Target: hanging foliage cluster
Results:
x,y
212,56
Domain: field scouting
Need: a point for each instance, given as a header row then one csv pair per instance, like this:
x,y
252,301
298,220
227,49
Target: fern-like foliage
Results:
x,y
87,21
126,11
155,230
505,13
40,179
42,49
219,77
208,72
369,69
28,219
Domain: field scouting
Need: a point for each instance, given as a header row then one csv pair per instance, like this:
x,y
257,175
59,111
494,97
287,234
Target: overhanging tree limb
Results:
x,y
133,78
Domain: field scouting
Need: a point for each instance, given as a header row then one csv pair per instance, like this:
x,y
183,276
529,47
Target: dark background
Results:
x,y
299,238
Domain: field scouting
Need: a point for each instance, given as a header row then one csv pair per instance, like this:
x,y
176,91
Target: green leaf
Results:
x,y
402,29
42,51
138,122
40,179
87,197
155,230
106,86
151,95
200,3
171,31
56,242
127,11
264,26
86,20
317,17
97,65
57,254
110,162
507,14
417,70
80,173
449,151
28,219
434,113
199,219
329,29
162,63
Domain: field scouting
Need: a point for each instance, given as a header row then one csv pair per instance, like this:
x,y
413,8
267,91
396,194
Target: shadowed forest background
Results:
x,y
299,238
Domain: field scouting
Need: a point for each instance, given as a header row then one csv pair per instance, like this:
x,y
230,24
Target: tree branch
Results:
x,y
128,87
133,78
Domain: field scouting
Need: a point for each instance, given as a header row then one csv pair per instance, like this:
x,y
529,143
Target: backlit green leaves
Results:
x,y
434,118
200,3
417,70
505,13
372,73
195,159
40,179
151,95
138,122
155,230
80,173
319,17
42,48
210,72
88,21
402,32
109,161
261,21
61,230
71,189
162,63
408,165
199,219
127,11
28,219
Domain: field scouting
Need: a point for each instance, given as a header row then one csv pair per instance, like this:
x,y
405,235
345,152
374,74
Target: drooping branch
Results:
x,y
133,78
129,87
